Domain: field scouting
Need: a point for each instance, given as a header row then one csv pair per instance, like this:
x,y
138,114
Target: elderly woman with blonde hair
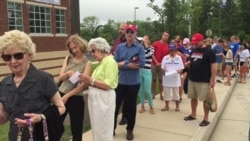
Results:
x,y
102,97
29,98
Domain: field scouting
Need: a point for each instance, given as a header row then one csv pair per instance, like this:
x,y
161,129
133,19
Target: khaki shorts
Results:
x,y
156,72
198,90
219,66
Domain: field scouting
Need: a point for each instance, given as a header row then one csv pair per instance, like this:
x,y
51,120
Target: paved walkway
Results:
x,y
233,124
166,125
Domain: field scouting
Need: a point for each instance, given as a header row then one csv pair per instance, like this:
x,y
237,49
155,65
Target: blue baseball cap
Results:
x,y
172,46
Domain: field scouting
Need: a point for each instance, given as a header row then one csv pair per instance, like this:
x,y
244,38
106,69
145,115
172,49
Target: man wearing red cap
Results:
x,y
130,57
202,74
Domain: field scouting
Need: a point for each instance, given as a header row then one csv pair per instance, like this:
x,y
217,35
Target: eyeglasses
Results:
x,y
17,56
130,31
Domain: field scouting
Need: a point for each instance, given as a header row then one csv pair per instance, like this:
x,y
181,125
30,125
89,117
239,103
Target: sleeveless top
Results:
x,y
227,56
66,85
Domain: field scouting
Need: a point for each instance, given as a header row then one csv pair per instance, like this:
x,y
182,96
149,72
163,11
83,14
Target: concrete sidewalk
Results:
x,y
233,124
166,125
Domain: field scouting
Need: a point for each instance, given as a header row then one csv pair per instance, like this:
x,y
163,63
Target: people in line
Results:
x,y
161,49
146,76
172,66
29,98
228,62
72,91
102,97
119,40
218,50
130,57
244,56
201,76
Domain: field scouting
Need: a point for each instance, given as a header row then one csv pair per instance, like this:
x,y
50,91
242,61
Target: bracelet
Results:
x,y
92,82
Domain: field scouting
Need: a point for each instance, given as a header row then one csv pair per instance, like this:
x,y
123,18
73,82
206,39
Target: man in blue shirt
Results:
x,y
218,50
235,50
130,57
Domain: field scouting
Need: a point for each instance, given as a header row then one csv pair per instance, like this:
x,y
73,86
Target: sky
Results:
x,y
118,10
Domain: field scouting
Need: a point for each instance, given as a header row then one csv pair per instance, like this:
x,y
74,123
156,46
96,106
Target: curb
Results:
x,y
204,133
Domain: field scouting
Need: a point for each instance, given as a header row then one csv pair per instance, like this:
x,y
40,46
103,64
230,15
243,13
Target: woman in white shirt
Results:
x,y
244,55
172,66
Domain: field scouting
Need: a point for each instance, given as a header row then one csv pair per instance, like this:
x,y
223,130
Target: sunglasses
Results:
x,y
130,31
17,56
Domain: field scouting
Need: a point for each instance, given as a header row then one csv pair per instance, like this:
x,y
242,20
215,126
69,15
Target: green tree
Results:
x,y
171,9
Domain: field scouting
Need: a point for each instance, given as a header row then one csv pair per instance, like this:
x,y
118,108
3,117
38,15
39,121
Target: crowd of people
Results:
x,y
36,107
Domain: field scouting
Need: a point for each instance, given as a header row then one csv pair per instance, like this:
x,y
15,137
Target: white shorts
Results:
x,y
167,93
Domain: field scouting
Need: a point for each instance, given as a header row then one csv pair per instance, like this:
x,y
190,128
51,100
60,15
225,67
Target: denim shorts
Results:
x,y
229,63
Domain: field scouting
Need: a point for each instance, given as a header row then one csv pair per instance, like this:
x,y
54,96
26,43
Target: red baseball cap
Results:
x,y
197,37
131,27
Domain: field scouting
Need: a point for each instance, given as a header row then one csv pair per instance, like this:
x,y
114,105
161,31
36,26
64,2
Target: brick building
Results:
x,y
48,22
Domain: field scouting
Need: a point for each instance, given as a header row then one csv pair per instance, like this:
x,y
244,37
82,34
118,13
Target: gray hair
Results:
x,y
101,44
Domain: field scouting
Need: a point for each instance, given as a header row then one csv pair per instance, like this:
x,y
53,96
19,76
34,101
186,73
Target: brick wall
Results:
x,y
44,43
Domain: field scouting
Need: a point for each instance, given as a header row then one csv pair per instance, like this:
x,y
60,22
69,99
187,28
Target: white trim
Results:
x,y
41,34
39,4
61,35
19,1
60,7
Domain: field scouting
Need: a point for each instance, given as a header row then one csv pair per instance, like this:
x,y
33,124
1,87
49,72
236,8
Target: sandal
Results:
x,y
189,118
177,110
164,109
142,110
204,123
152,111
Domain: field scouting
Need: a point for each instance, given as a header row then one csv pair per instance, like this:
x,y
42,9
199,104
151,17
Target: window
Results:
x,y
15,17
60,21
40,19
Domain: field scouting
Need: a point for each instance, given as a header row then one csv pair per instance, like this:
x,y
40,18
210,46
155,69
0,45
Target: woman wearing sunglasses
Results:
x,y
29,99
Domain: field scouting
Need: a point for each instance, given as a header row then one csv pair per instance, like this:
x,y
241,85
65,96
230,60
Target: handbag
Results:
x,y
211,102
59,83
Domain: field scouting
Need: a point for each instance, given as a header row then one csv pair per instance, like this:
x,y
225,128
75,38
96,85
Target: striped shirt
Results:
x,y
149,52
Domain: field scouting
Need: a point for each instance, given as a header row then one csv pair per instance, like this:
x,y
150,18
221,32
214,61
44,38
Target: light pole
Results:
x,y
189,19
135,13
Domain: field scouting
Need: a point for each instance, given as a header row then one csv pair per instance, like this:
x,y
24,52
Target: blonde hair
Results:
x,y
82,43
101,44
17,38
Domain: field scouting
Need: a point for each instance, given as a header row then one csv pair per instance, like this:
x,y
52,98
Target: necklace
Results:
x,y
17,81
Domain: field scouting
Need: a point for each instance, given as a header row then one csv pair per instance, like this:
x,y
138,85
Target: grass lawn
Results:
x,y
66,135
